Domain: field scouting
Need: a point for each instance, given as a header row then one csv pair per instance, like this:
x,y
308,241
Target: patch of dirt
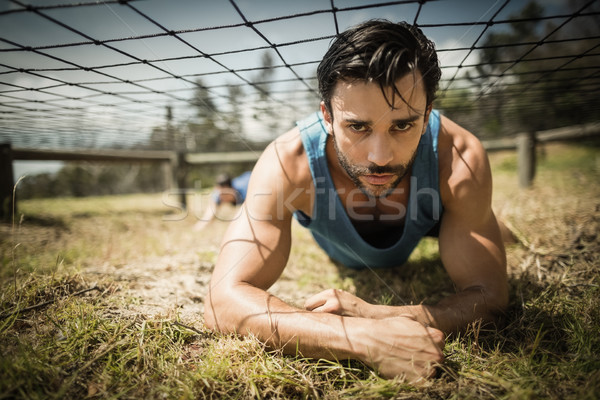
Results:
x,y
159,286
176,284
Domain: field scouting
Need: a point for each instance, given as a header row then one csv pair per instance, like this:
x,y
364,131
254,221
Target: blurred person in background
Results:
x,y
226,191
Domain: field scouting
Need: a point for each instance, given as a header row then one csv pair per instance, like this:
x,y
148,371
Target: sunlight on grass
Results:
x,y
102,298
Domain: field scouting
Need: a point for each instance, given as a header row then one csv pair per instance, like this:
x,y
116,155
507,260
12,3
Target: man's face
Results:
x,y
374,143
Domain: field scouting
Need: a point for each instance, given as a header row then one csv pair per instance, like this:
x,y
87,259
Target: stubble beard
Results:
x,y
356,171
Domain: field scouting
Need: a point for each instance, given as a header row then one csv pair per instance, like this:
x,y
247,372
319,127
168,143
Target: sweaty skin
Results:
x,y
404,341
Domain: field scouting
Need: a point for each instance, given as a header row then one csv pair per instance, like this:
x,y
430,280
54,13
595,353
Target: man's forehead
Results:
x,y
410,87
359,97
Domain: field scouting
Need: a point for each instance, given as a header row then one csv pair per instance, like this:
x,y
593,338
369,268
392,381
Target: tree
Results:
x,y
233,118
266,110
497,74
521,78
213,129
203,134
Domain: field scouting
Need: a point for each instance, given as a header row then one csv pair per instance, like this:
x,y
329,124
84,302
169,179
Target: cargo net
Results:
x,y
210,76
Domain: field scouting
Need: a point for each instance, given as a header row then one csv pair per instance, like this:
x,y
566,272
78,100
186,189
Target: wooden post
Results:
x,y
6,183
178,163
168,174
526,158
180,178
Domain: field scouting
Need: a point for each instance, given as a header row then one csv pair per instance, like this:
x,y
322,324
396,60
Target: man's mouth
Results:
x,y
379,179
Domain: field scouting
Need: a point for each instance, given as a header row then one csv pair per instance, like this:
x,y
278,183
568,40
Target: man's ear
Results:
x,y
327,118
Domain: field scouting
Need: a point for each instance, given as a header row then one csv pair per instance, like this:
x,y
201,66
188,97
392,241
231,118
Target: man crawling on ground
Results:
x,y
370,174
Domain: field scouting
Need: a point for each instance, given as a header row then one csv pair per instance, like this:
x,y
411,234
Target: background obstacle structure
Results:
x,y
196,77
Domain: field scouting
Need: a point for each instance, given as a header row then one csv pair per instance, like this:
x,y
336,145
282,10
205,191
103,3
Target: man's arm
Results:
x,y
470,245
253,255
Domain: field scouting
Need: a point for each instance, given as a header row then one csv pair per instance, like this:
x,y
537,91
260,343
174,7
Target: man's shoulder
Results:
x,y
285,161
463,162
455,138
289,145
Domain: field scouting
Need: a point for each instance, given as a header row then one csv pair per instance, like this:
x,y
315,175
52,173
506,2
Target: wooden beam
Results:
x,y
92,155
569,133
222,158
131,155
552,135
499,144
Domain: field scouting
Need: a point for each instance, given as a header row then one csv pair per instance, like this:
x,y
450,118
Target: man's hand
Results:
x,y
401,346
337,301
396,346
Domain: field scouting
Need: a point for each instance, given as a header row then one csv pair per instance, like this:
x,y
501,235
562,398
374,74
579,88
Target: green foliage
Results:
x,y
93,179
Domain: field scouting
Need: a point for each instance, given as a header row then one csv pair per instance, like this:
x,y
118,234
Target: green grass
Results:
x,y
81,281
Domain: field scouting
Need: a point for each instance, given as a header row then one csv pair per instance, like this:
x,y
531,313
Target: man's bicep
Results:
x,y
257,243
253,251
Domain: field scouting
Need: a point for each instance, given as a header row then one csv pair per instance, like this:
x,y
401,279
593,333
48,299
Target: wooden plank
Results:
x,y
92,155
569,133
221,158
551,135
131,155
499,144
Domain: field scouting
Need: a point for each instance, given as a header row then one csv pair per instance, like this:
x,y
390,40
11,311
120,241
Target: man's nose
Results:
x,y
380,149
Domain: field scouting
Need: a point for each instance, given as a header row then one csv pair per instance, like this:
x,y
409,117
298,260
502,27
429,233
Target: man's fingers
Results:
x,y
315,301
326,301
408,315
437,336
320,298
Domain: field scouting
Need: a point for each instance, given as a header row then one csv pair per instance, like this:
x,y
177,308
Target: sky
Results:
x,y
56,115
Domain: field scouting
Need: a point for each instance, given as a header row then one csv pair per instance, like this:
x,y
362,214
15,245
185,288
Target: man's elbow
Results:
x,y
503,300
212,312
209,313
496,302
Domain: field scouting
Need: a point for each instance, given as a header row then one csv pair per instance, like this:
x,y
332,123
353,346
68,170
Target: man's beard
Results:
x,y
356,171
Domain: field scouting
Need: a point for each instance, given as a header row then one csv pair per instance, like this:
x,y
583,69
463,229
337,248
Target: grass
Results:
x,y
102,298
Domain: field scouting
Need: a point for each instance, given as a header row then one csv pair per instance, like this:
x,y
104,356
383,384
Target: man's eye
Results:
x,y
402,126
358,127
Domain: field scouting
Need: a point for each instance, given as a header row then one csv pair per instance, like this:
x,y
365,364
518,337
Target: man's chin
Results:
x,y
378,191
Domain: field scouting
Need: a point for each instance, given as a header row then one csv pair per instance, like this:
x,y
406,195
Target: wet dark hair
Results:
x,y
223,180
379,51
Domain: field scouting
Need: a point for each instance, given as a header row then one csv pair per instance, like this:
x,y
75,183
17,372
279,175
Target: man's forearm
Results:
x,y
395,346
279,325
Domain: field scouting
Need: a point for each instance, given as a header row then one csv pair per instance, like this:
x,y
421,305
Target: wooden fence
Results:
x,y
176,163
525,144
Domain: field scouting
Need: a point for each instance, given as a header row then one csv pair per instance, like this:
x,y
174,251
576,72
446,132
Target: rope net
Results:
x,y
204,76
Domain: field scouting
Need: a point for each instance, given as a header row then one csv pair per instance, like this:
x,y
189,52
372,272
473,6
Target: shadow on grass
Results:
x,y
421,280
46,221
550,327
552,323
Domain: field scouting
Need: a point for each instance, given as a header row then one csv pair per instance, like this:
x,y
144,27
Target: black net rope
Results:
x,y
51,97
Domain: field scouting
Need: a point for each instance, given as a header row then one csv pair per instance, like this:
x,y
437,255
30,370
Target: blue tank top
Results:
x,y
330,224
